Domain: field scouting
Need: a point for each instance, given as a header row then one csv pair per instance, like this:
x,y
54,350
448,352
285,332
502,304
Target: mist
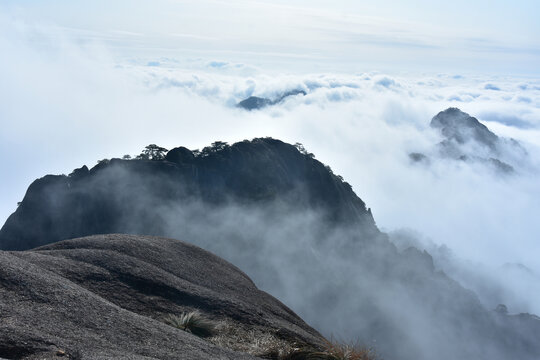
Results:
x,y
347,281
363,126
67,103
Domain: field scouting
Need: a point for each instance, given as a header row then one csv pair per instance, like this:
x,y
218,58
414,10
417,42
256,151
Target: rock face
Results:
x,y
124,196
106,296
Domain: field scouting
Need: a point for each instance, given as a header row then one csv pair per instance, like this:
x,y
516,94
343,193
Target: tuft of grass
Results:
x,y
193,322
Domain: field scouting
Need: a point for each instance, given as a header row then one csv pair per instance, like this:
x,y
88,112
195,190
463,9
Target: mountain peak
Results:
x,y
458,126
120,196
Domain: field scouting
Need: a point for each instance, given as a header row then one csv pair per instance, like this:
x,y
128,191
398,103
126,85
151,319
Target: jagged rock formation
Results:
x,y
296,228
105,297
466,139
255,102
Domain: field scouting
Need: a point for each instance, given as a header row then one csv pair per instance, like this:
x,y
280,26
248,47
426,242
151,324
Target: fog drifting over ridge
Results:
x,y
65,105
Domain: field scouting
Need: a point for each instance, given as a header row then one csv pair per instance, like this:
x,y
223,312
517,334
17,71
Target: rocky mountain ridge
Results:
x,y
96,201
298,230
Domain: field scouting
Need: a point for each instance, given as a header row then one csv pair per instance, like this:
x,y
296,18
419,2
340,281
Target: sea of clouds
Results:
x,y
66,104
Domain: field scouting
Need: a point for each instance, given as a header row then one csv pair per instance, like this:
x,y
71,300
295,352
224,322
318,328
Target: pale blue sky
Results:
x,y
490,36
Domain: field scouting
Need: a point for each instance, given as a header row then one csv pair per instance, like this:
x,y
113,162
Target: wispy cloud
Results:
x,y
346,36
194,36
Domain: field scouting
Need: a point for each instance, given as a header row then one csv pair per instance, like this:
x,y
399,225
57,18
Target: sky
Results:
x,y
474,36
83,81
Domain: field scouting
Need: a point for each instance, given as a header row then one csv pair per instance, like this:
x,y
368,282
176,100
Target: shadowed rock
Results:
x,y
121,196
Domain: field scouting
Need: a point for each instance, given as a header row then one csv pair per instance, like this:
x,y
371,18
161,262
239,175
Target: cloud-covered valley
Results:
x,y
65,105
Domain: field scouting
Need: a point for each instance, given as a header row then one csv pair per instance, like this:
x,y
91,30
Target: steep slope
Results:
x,y
107,296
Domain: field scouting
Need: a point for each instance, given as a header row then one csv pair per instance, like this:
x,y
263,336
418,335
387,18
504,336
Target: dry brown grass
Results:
x,y
343,351
253,341
264,344
268,345
332,350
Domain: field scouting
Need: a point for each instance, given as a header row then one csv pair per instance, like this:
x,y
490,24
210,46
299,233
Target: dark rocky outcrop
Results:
x,y
255,102
104,297
123,196
180,155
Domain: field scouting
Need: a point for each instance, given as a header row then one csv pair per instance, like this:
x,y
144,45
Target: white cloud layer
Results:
x,y
65,105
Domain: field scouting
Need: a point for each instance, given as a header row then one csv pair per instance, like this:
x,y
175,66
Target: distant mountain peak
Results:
x,y
459,126
467,139
255,102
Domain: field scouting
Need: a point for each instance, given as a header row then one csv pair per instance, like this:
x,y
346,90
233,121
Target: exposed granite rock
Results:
x,y
105,297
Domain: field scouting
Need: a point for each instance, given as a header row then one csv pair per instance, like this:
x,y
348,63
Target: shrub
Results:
x,y
152,152
193,322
